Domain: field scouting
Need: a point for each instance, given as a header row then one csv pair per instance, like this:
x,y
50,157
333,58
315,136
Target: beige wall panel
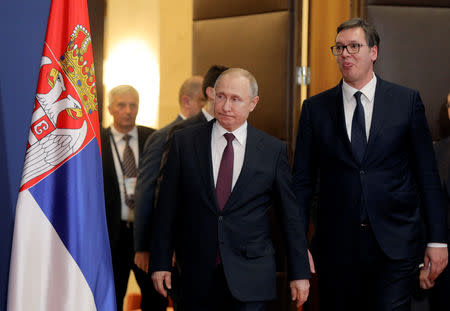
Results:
x,y
132,36
207,9
325,16
414,53
258,43
175,55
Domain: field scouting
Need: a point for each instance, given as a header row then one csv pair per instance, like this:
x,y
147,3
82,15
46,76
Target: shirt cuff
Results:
x,y
438,245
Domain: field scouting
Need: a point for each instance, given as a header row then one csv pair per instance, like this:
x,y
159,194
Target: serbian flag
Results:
x,y
60,257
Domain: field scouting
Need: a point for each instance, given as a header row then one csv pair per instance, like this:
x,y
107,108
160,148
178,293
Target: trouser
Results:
x,y
372,282
221,299
123,262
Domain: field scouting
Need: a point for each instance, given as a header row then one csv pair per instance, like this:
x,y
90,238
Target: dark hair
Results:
x,y
371,33
211,76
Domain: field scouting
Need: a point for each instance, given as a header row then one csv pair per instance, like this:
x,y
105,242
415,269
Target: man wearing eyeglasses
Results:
x,y
381,211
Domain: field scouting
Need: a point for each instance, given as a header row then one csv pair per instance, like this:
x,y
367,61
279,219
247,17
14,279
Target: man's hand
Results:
x,y
311,263
141,259
425,283
159,278
436,258
299,291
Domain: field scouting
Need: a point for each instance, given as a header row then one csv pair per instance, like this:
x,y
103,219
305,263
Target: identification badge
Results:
x,y
130,185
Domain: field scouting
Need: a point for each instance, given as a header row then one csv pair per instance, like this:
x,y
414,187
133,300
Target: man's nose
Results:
x,y
227,105
345,52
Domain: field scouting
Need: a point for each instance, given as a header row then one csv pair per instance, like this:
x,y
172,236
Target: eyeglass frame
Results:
x,y
346,47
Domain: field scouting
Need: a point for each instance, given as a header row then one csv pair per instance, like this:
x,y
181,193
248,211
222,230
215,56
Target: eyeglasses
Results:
x,y
351,48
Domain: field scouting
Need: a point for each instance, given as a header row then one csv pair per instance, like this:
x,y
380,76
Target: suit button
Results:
x,y
362,172
220,218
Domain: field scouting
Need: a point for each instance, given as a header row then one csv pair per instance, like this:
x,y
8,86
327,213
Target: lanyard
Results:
x,y
117,153
121,164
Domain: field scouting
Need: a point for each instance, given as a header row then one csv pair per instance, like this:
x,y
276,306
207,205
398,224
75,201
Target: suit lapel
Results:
x,y
380,112
338,115
203,149
253,149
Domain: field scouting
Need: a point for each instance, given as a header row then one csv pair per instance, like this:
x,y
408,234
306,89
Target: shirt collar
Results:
x,y
240,134
367,90
207,115
118,135
182,116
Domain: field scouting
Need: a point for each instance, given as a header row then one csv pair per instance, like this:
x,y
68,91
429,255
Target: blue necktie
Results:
x,y
359,138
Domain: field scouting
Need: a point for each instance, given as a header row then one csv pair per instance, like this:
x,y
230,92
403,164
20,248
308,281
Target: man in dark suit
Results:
x,y
191,102
219,182
367,143
438,294
122,145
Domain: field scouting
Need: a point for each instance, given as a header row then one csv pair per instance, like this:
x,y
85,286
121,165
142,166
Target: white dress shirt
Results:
x,y
207,115
367,100
218,144
120,143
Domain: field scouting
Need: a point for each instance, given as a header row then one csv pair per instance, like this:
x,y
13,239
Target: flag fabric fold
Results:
x,y
60,258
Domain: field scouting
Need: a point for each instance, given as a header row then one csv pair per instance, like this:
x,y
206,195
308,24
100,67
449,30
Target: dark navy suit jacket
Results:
x,y
149,165
187,217
398,176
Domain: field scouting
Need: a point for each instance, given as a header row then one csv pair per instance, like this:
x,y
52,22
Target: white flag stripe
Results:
x,y
35,281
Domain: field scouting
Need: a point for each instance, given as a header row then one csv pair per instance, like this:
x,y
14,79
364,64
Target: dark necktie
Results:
x,y
359,138
359,144
129,167
225,176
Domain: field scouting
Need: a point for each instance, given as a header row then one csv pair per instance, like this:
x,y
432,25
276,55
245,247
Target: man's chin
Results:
x,y
225,124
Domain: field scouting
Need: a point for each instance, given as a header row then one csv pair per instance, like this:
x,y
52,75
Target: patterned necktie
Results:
x,y
225,176
129,167
359,138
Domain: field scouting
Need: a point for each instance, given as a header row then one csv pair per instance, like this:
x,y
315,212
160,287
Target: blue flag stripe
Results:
x,y
72,199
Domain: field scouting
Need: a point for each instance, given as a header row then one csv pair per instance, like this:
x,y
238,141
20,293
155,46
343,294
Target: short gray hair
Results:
x,y
253,85
120,90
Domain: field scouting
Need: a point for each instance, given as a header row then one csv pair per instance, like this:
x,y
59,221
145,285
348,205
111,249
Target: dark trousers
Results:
x,y
123,262
372,282
219,298
440,294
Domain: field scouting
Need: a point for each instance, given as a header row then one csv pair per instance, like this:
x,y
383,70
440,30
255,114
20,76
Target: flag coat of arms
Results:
x,y
60,257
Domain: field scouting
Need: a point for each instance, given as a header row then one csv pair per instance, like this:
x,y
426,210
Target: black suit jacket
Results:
x,y
111,184
187,217
399,160
155,153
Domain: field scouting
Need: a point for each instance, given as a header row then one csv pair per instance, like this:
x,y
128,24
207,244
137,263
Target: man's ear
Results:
x,y
374,53
254,101
185,101
210,93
